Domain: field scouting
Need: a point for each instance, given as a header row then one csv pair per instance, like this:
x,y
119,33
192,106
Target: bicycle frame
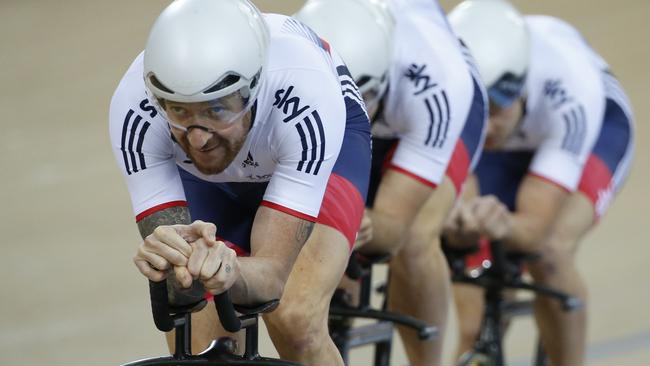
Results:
x,y
502,273
380,333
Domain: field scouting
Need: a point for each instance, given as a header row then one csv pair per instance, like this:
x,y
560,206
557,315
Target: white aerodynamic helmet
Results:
x,y
207,50
361,31
497,35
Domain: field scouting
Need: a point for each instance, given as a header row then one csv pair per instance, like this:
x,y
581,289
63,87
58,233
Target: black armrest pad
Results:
x,y
258,308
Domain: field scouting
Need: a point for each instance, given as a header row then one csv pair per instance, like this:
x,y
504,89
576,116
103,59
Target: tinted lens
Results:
x,y
212,114
506,90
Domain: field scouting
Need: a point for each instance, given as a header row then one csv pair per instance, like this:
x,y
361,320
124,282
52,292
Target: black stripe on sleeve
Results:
x,y
138,149
321,133
303,141
312,137
435,141
568,133
431,122
134,127
343,70
447,119
583,127
125,128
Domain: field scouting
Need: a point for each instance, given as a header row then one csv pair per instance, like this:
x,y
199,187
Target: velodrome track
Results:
x,y
69,292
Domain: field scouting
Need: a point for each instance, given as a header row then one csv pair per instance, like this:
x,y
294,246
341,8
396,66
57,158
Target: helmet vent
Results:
x,y
224,83
159,85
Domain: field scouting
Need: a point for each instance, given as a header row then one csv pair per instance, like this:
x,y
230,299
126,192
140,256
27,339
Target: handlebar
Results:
x,y
226,311
504,272
162,311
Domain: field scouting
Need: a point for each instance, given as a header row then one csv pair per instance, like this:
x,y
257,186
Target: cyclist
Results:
x,y
423,97
245,123
560,141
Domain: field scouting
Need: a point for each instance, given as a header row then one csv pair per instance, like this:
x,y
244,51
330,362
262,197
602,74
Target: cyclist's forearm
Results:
x,y
276,241
387,232
260,280
526,233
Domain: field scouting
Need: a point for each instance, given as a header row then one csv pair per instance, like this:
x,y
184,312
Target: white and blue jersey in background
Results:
x,y
577,128
435,107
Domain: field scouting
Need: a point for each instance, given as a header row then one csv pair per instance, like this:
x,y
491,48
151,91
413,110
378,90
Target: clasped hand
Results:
x,y
192,252
480,216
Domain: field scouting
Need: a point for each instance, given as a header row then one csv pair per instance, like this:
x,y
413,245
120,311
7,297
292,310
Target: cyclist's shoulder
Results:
x,y
131,85
130,106
294,46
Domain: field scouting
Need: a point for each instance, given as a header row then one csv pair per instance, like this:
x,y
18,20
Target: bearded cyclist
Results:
x,y
246,154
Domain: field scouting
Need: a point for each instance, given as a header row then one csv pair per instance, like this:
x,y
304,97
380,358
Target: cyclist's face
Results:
x,y
209,141
502,124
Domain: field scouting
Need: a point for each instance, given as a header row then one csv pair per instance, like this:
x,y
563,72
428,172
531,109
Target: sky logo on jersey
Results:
x,y
288,105
131,143
422,81
556,93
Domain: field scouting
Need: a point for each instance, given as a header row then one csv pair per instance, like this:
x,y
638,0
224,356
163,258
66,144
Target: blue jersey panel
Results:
x,y
230,206
473,131
500,173
615,136
353,162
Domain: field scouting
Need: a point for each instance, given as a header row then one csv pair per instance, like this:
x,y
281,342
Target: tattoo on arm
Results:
x,y
173,216
168,216
304,230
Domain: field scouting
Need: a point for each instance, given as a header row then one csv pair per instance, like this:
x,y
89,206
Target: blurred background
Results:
x,y
69,293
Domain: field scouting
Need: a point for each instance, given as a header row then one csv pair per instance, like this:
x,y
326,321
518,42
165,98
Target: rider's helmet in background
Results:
x,y
497,35
361,31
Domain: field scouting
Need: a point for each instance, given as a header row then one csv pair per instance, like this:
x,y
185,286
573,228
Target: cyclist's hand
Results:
x,y
215,265
365,231
461,227
161,251
197,230
493,217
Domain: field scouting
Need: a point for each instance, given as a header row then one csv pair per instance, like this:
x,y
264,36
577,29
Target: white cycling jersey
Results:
x,y
431,90
565,93
297,131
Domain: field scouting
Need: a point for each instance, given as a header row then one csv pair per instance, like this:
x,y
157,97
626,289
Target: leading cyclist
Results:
x,y
247,124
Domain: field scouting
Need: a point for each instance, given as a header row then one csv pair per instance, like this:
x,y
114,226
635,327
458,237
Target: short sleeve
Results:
x,y
574,122
311,124
428,104
143,148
